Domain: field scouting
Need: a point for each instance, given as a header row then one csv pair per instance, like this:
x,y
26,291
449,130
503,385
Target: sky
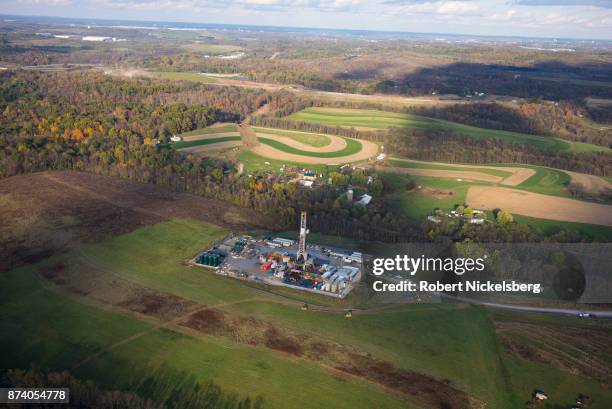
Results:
x,y
590,19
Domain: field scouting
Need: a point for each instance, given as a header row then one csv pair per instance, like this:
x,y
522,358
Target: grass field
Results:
x,y
54,332
382,120
352,146
581,147
417,205
547,181
490,171
189,144
184,76
211,130
551,227
46,328
254,163
312,139
212,49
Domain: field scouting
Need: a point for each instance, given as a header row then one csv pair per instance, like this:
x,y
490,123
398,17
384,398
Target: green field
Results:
x,y
417,206
352,146
313,139
212,49
546,181
44,328
211,130
183,76
415,165
55,331
254,163
189,144
383,119
581,147
552,227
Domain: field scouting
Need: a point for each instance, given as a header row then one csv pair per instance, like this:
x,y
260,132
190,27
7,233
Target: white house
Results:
x,y
306,183
433,219
365,200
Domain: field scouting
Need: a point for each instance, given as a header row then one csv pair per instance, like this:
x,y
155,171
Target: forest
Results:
x,y
46,125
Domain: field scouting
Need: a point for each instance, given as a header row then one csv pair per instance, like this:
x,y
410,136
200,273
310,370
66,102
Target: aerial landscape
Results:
x,y
195,200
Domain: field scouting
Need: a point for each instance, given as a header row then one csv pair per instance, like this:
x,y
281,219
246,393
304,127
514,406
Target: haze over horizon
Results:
x,y
591,19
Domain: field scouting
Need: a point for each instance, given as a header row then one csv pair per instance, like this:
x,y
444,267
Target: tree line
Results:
x,y
442,146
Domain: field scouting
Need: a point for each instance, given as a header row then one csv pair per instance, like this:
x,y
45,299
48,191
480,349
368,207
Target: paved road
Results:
x,y
548,310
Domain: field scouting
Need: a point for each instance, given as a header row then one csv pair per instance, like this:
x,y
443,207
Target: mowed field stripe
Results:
x,y
285,153
212,146
205,141
384,119
204,136
336,144
510,176
352,146
451,174
538,205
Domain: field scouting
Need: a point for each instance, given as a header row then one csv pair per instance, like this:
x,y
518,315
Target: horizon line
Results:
x,y
311,28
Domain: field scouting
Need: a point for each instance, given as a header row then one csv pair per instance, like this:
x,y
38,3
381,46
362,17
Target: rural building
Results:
x,y
306,183
349,195
309,176
280,242
433,219
364,200
355,257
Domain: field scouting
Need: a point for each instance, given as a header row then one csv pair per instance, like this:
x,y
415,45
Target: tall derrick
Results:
x,y
301,253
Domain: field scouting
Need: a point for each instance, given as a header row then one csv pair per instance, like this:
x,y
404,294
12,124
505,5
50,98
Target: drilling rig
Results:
x,y
301,256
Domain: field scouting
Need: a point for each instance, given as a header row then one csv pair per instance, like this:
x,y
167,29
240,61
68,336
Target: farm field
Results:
x,y
352,147
552,227
374,119
204,141
278,145
446,193
539,205
212,49
435,193
312,139
254,163
79,331
213,129
183,76
409,163
94,297
535,179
